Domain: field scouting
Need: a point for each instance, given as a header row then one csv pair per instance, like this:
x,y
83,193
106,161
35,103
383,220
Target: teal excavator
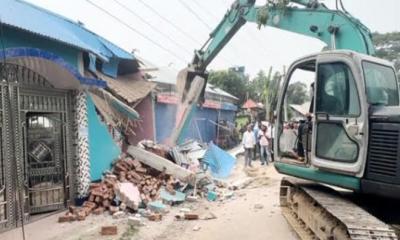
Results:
x,y
350,146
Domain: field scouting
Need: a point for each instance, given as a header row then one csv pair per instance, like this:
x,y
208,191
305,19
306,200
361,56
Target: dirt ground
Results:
x,y
251,213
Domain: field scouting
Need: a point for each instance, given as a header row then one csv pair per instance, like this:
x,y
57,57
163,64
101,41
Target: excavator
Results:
x,y
351,148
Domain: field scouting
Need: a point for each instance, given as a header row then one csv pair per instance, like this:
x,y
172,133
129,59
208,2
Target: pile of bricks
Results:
x,y
102,195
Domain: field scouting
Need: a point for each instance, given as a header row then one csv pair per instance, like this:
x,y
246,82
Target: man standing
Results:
x,y
264,139
256,130
248,142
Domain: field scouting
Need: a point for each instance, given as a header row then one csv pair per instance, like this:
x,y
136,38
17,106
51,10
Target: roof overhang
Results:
x,y
55,69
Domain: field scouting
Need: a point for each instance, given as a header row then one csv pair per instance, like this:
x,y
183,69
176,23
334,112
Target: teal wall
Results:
x,y
17,38
102,148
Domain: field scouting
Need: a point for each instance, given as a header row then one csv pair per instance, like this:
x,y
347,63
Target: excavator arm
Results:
x,y
337,28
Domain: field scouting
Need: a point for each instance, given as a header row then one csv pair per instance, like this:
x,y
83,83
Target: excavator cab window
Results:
x,y
295,119
381,84
336,97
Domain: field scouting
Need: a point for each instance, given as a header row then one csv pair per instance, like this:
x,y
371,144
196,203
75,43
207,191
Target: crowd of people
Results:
x,y
294,141
258,141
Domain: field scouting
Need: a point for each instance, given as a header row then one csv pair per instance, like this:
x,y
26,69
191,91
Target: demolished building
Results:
x,y
56,77
210,121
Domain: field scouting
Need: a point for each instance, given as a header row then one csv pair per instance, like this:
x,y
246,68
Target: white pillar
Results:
x,y
82,136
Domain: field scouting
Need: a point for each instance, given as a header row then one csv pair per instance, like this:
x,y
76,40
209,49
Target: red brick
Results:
x,y
66,218
191,216
109,230
155,217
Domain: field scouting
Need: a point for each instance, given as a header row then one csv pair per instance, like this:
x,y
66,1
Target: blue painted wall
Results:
x,y
102,148
16,38
165,122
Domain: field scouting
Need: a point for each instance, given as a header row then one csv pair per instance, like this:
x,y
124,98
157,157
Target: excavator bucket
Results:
x,y
184,82
190,86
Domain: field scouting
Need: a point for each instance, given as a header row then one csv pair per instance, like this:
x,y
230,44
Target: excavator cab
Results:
x,y
346,92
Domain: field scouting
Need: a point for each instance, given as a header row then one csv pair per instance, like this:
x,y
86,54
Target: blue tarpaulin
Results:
x,y
219,161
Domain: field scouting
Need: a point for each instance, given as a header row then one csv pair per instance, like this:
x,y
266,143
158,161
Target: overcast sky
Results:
x,y
253,48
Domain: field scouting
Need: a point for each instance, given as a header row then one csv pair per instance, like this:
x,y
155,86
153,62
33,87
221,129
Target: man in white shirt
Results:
x,y
248,141
264,138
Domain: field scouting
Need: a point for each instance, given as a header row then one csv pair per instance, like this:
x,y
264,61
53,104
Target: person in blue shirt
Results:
x,y
256,130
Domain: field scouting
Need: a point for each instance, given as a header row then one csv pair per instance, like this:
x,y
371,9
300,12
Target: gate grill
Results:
x,y
35,149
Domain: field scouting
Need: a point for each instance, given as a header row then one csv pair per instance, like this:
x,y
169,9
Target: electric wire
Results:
x,y
205,9
185,5
152,27
249,37
176,27
137,31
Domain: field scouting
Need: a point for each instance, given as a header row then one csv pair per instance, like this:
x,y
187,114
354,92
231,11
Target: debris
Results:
x,y
157,206
66,218
191,216
159,163
212,196
118,215
220,162
113,209
144,212
180,216
109,230
98,211
155,217
135,221
208,216
191,198
242,183
196,228
166,196
128,194
258,206
184,210
228,195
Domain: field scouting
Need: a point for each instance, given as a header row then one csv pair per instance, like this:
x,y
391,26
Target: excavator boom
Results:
x,y
338,29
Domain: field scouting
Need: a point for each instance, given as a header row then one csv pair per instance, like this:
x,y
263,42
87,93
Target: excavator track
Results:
x,y
318,212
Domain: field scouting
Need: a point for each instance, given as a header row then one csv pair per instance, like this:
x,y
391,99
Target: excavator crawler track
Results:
x,y
318,212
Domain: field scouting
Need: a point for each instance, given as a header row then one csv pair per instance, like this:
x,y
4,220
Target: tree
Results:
x,y
267,87
388,47
230,82
297,93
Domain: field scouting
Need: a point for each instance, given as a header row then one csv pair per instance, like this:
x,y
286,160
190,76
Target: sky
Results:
x,y
161,43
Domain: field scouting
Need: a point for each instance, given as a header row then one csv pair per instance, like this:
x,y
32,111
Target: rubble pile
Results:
x,y
128,185
149,178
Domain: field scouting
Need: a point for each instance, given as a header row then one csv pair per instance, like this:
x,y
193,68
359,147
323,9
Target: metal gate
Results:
x,y
35,146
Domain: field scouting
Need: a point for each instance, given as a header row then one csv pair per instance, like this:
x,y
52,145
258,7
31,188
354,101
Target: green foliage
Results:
x,y
388,47
231,82
266,89
297,93
262,88
262,16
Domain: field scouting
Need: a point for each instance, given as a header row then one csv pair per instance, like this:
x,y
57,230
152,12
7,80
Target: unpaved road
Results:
x,y
239,218
252,213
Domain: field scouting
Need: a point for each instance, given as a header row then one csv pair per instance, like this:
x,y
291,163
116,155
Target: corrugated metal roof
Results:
x,y
130,87
39,21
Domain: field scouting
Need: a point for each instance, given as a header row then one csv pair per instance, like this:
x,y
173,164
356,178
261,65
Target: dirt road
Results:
x,y
252,213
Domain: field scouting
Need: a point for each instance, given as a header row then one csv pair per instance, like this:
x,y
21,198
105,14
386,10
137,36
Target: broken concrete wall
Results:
x,y
144,129
200,128
102,148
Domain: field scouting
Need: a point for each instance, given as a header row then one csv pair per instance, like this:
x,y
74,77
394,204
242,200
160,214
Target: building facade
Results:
x,y
52,135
